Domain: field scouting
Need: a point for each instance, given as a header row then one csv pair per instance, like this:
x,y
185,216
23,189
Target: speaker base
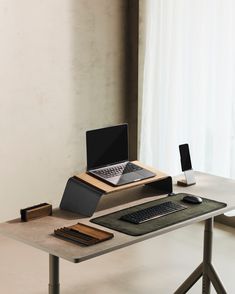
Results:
x,y
183,183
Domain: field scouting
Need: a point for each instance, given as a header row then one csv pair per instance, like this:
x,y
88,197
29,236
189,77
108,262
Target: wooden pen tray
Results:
x,y
83,234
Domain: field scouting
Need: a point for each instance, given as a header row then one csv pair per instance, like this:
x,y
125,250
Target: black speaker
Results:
x,y
186,166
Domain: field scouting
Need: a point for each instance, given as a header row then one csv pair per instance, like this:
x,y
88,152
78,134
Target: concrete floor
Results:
x,y
155,266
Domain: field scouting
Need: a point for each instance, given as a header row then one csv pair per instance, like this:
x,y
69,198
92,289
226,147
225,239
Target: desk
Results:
x,y
38,233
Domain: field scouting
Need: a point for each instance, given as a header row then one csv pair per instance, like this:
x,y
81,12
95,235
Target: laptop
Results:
x,y
107,157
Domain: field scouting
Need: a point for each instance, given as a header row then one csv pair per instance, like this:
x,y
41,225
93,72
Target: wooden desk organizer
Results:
x,y
83,234
36,211
83,192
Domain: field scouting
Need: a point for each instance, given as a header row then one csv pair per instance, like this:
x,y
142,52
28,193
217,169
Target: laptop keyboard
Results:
x,y
152,212
117,170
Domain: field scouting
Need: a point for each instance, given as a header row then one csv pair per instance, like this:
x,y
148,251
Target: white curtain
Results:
x,y
189,85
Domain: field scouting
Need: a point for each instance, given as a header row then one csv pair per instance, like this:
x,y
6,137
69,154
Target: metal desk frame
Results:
x,y
205,269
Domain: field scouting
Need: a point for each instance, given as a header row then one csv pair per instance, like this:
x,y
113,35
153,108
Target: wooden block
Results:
x,y
36,211
91,231
183,183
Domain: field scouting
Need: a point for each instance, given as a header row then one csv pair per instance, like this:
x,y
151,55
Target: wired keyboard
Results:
x,y
152,212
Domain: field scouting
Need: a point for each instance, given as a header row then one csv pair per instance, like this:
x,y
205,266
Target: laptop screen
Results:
x,y
107,146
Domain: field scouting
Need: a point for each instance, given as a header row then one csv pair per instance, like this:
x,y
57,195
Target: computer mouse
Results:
x,y
192,199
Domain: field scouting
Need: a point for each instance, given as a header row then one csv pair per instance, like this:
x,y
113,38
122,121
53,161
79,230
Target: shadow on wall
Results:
x,y
98,69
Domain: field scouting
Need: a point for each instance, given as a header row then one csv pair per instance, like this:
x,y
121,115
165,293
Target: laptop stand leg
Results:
x,y
54,285
205,269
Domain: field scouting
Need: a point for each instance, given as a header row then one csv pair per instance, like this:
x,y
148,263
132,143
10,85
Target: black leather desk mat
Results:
x,y
112,220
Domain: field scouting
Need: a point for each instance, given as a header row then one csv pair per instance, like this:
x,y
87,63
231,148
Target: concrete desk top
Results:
x,y
39,232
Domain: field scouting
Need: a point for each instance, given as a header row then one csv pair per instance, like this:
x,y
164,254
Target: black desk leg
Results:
x,y
205,269
207,253
54,285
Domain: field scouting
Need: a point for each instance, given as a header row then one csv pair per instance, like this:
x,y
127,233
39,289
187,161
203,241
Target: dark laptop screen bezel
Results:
x,y
97,141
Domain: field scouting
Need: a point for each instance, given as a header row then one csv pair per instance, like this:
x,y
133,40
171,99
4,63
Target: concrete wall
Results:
x,y
62,71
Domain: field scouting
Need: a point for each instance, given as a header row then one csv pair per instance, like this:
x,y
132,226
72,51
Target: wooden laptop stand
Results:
x,y
83,192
